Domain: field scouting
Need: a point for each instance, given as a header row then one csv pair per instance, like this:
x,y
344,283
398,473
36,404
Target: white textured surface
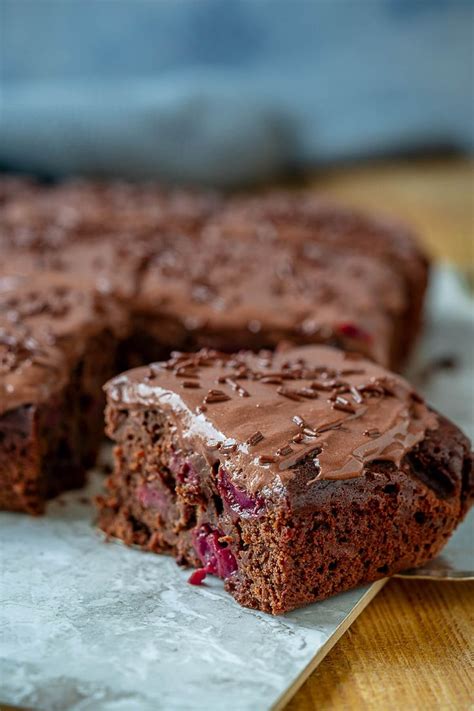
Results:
x,y
449,331
89,626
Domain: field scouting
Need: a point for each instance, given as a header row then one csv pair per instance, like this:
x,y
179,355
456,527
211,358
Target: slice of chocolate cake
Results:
x,y
58,340
292,476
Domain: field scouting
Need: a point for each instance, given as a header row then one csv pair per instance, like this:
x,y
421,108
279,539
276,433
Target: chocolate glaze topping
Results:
x,y
45,321
299,216
243,272
359,411
51,217
214,282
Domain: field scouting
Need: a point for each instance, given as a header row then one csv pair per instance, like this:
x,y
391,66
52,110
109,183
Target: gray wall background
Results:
x,y
229,91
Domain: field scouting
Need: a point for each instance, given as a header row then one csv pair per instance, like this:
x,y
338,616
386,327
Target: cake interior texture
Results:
x,y
292,476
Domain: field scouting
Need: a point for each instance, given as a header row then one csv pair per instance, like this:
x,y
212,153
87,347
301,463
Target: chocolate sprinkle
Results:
x,y
214,396
341,403
372,433
331,426
290,394
265,459
308,393
255,439
356,395
284,451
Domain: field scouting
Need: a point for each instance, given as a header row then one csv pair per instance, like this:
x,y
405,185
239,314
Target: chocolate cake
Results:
x,y
178,269
219,291
291,475
310,221
197,270
58,345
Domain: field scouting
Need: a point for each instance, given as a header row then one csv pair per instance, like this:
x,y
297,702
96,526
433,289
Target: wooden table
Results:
x,y
412,648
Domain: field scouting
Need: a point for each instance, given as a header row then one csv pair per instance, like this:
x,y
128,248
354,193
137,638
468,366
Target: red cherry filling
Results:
x,y
183,471
237,499
351,330
214,554
197,576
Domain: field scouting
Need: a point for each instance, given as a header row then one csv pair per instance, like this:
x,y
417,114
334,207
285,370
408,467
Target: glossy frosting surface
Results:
x,y
282,266
45,321
262,414
221,281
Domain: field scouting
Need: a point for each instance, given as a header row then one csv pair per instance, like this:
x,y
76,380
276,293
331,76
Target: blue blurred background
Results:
x,y
230,92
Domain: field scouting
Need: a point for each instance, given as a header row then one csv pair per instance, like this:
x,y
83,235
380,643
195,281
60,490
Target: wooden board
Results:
x,y
410,649
436,197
